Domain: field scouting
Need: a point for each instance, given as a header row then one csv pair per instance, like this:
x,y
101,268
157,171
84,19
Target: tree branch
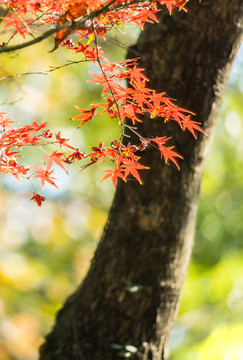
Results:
x,y
45,72
78,24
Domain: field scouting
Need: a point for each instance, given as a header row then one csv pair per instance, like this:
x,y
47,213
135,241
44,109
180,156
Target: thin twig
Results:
x,y
103,72
132,129
46,72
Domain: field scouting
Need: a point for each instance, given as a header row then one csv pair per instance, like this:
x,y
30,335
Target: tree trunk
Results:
x,y
129,299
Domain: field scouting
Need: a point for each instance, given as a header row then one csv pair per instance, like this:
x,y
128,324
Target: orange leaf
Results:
x,y
74,11
114,175
55,157
131,167
169,154
38,198
85,116
191,125
44,175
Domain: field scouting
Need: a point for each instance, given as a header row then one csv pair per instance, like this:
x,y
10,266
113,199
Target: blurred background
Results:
x,y
45,252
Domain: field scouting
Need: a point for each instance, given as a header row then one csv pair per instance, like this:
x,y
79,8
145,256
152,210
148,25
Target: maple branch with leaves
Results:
x,y
82,23
91,21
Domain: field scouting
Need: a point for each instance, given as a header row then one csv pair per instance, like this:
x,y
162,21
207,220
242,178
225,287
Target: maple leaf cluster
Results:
x,y
13,139
90,20
24,13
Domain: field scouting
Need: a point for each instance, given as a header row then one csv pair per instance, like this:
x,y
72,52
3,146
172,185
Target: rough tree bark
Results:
x,y
131,292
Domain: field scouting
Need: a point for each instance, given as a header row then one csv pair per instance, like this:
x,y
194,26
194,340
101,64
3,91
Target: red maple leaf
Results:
x,y
44,175
55,157
191,125
63,141
114,175
4,122
38,198
159,141
34,126
131,167
169,154
85,115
